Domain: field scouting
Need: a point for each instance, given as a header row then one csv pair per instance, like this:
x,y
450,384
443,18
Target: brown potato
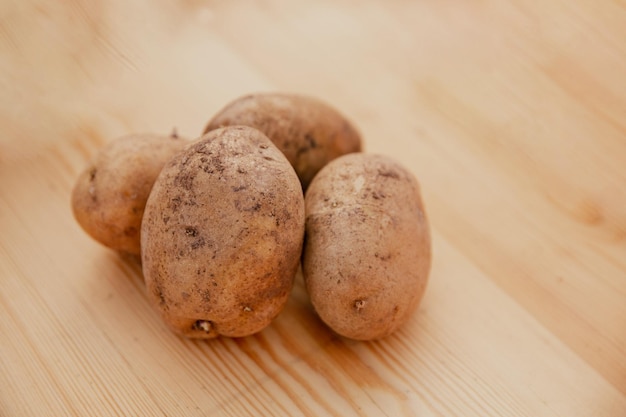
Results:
x,y
367,249
309,132
222,235
109,196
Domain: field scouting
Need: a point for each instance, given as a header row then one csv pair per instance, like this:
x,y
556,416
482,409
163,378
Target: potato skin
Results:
x,y
222,235
109,196
308,131
367,249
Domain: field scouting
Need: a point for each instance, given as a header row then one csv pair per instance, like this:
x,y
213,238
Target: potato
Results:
x,y
109,196
309,132
222,235
367,249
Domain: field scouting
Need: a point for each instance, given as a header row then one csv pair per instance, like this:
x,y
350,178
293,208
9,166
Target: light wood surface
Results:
x,y
512,115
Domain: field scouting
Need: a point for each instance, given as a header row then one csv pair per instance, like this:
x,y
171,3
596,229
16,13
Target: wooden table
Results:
x,y
512,115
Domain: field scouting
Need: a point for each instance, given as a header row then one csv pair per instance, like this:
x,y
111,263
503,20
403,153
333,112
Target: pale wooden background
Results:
x,y
512,114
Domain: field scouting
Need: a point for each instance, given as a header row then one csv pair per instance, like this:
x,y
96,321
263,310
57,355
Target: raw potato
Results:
x,y
309,132
367,252
109,197
222,235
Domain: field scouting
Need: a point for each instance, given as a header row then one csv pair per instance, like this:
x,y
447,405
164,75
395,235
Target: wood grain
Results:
x,y
511,114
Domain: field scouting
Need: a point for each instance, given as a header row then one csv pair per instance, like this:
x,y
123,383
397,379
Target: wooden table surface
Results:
x,y
511,114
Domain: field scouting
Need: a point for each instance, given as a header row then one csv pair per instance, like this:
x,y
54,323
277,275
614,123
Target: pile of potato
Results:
x,y
222,223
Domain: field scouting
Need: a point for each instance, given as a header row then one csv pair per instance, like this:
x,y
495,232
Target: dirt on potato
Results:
x,y
110,195
367,252
308,131
222,235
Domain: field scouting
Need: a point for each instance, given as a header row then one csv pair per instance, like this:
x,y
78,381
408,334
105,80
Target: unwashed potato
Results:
x,y
309,132
367,251
222,235
109,196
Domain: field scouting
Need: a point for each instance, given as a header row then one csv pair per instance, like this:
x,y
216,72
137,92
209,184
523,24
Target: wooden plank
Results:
x,y
510,114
